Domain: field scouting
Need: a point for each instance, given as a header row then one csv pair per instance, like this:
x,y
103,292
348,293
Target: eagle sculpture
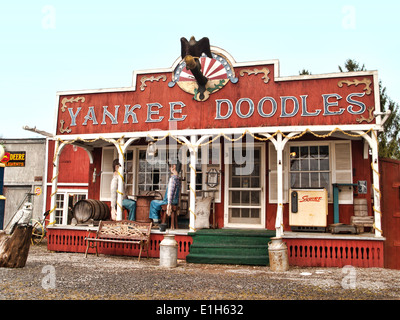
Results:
x,y
191,51
195,48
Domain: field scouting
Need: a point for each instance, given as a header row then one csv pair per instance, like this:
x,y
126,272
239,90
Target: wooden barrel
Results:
x,y
91,209
143,208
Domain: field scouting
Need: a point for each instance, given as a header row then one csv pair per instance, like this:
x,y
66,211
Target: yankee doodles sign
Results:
x,y
228,96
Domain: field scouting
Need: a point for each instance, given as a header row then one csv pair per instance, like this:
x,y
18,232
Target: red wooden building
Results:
x,y
258,140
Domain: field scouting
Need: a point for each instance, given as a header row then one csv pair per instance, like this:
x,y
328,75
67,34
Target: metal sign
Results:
x,y
14,159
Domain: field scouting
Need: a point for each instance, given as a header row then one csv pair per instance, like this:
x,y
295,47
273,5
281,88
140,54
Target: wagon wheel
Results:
x,y
38,232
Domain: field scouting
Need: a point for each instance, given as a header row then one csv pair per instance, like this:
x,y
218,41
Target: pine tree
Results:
x,y
389,139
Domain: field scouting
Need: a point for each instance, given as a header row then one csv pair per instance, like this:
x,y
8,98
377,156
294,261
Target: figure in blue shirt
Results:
x,y
171,194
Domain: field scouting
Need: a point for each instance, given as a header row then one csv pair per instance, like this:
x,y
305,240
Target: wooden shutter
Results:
x,y
106,173
343,172
273,175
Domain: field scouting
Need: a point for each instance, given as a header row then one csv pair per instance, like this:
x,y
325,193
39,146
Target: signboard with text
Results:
x,y
237,96
14,159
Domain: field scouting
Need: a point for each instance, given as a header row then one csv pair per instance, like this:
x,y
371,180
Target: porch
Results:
x,y
304,248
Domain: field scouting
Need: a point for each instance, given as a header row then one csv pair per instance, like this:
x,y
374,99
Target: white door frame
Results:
x,y
261,225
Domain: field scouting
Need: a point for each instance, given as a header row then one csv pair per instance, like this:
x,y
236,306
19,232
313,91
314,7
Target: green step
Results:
x,y
230,250
226,259
230,246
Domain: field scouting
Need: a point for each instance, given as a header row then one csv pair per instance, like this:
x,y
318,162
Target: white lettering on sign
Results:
x,y
244,108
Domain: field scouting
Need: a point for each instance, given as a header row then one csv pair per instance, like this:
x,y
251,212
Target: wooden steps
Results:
x,y
230,246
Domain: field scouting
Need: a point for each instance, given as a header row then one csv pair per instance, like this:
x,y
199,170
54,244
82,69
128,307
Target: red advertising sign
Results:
x,y
245,96
14,159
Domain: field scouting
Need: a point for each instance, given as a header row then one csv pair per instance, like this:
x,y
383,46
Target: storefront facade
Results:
x,y
23,164
252,136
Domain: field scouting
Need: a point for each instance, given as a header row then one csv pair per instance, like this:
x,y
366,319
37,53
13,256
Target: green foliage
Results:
x,y
390,137
304,72
352,65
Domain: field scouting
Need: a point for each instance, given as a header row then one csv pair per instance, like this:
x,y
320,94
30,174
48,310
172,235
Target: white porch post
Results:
x,y
279,159
376,185
56,159
192,203
119,144
193,147
373,144
279,145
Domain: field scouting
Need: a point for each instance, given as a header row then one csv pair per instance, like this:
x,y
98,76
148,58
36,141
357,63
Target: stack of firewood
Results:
x,y
361,218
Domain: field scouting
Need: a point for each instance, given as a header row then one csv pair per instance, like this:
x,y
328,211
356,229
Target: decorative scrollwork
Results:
x,y
356,82
71,100
122,230
62,130
370,118
152,78
257,71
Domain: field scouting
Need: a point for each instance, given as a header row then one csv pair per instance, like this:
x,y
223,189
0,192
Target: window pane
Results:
x,y
294,152
255,182
304,165
324,164
323,151
256,170
235,212
236,182
295,180
303,152
305,180
294,165
314,180
235,197
245,197
255,197
314,152
245,213
314,165
325,183
255,213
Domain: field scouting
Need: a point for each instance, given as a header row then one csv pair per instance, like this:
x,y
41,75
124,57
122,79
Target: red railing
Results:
x,y
311,252
335,252
73,240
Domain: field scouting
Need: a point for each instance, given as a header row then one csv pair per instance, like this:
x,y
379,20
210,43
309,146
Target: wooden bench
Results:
x,y
124,231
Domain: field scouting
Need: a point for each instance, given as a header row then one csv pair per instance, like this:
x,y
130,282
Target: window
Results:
x,y
65,201
129,173
59,212
153,172
143,174
309,167
208,157
312,165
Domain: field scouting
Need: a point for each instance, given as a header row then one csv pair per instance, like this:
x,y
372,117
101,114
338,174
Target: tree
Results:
x,y
389,138
304,72
352,65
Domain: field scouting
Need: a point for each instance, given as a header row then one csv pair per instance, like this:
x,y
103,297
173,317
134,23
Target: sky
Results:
x,y
50,46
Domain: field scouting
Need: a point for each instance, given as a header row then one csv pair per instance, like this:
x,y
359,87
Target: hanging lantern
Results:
x,y
151,149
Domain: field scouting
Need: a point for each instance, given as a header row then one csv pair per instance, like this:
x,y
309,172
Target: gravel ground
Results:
x,y
58,276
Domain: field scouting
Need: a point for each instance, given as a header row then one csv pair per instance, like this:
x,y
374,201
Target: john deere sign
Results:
x,y
14,159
